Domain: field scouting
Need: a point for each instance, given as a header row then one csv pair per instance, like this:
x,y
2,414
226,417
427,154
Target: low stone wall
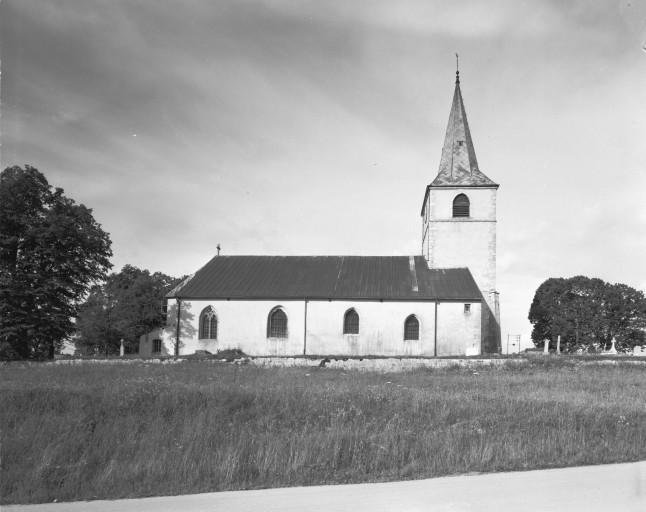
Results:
x,y
129,360
390,364
385,364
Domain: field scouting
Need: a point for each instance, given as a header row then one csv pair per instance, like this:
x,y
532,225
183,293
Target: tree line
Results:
x,y
54,282
126,306
55,286
587,313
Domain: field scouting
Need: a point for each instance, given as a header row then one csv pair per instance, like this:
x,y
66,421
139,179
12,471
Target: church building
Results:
x,y
442,302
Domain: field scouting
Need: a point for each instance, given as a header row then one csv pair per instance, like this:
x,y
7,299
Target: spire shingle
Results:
x,y
458,165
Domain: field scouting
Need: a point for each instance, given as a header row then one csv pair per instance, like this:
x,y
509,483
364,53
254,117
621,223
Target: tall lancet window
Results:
x,y
277,324
461,206
411,328
351,322
208,324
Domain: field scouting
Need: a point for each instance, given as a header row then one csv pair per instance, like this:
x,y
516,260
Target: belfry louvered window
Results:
x,y
411,328
351,322
277,324
208,324
461,206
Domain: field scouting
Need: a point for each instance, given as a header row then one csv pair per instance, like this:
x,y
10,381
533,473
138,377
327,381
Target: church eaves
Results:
x,y
458,164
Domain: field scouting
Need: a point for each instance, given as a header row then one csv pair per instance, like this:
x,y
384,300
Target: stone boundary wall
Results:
x,y
387,364
390,364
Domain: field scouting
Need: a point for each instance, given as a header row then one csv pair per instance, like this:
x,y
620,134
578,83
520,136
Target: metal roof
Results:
x,y
328,277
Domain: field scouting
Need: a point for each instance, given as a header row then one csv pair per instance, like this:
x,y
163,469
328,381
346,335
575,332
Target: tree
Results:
x,y
587,312
624,315
583,306
546,311
96,332
126,306
51,252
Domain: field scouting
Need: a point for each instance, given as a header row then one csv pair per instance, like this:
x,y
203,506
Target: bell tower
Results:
x,y
459,218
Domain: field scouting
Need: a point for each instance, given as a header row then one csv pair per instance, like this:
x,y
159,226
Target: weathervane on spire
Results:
x,y
457,68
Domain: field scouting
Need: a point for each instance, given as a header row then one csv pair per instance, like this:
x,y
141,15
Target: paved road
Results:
x,y
614,487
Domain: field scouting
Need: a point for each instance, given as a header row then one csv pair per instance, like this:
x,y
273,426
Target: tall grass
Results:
x,y
112,431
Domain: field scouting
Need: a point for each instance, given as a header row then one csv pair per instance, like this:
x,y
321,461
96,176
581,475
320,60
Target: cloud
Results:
x,y
313,127
461,19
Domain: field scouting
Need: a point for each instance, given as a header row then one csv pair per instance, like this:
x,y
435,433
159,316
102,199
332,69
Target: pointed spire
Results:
x,y
458,164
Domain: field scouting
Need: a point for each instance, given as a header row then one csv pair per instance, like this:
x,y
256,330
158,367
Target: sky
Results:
x,y
313,127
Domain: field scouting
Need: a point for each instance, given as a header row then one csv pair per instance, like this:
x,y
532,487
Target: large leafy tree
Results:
x,y
95,327
581,307
546,312
51,252
126,306
624,315
586,312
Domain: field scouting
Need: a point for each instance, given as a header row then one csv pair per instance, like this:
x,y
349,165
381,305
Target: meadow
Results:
x,y
90,431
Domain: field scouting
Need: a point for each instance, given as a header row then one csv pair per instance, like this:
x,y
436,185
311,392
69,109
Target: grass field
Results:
x,y
111,431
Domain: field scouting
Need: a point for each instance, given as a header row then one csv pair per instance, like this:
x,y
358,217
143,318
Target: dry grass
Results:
x,y
112,431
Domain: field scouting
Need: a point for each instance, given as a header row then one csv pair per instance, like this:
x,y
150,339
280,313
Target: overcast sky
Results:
x,y
313,127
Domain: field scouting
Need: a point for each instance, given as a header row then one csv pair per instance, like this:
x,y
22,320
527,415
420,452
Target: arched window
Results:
x,y
277,324
461,206
351,322
208,324
411,328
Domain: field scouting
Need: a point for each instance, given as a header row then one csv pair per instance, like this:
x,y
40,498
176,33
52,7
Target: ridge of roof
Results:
x,y
458,163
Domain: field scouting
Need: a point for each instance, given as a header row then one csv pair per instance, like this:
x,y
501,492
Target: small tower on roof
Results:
x,y
459,217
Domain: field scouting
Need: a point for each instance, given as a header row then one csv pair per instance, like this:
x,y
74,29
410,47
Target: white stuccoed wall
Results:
x,y
457,330
381,328
243,325
463,242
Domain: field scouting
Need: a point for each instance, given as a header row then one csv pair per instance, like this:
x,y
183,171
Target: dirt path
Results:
x,y
620,487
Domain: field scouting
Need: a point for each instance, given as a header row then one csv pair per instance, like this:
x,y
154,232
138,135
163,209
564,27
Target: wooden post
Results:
x,y
558,344
305,330
435,333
